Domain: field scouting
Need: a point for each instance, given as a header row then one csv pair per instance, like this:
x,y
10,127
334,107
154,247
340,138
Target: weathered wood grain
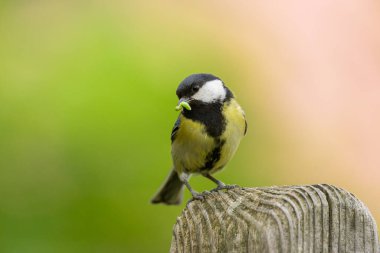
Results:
x,y
312,218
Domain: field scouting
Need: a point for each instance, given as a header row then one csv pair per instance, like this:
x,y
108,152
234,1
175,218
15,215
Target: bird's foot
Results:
x,y
196,196
205,193
224,187
199,196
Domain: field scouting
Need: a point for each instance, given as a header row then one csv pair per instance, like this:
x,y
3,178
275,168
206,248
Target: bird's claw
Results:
x,y
196,196
206,193
224,187
199,196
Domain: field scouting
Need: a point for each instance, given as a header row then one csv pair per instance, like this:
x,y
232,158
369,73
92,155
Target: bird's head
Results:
x,y
201,89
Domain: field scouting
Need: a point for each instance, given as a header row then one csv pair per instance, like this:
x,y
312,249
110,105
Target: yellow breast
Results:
x,y
234,132
192,144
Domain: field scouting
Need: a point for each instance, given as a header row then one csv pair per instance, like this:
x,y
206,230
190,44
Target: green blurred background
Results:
x,y
87,96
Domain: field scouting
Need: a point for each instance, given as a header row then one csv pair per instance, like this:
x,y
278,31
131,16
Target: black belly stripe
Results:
x,y
214,156
210,115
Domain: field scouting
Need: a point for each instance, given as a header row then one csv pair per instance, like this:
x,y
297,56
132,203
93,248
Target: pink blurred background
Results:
x,y
320,65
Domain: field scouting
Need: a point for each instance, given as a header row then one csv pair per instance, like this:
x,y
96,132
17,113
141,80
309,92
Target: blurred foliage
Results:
x,y
87,97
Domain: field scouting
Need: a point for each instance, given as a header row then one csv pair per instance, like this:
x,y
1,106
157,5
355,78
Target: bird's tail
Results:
x,y
171,192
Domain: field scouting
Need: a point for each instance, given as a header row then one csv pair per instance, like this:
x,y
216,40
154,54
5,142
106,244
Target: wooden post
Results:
x,y
312,218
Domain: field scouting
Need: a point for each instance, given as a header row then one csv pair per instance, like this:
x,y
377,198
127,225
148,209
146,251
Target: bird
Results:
x,y
205,136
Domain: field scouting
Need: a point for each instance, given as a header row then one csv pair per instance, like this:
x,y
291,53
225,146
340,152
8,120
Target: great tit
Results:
x,y
204,137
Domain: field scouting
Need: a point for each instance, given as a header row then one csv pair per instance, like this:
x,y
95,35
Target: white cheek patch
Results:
x,y
210,92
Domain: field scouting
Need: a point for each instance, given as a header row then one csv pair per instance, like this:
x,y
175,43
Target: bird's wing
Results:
x,y
175,128
246,125
245,121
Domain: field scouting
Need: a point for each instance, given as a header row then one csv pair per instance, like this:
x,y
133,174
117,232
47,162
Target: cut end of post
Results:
x,y
311,218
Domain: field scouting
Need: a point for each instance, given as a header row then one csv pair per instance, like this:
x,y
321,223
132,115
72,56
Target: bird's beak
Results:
x,y
183,103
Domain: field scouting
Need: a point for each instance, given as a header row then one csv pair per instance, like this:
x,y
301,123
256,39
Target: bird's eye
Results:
x,y
195,88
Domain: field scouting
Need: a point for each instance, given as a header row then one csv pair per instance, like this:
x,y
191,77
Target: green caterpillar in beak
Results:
x,y
184,105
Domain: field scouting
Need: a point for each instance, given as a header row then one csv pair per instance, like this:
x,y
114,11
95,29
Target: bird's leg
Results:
x,y
195,194
216,181
220,184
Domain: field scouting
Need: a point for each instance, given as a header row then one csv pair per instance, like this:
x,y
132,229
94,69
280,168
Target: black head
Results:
x,y
204,88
